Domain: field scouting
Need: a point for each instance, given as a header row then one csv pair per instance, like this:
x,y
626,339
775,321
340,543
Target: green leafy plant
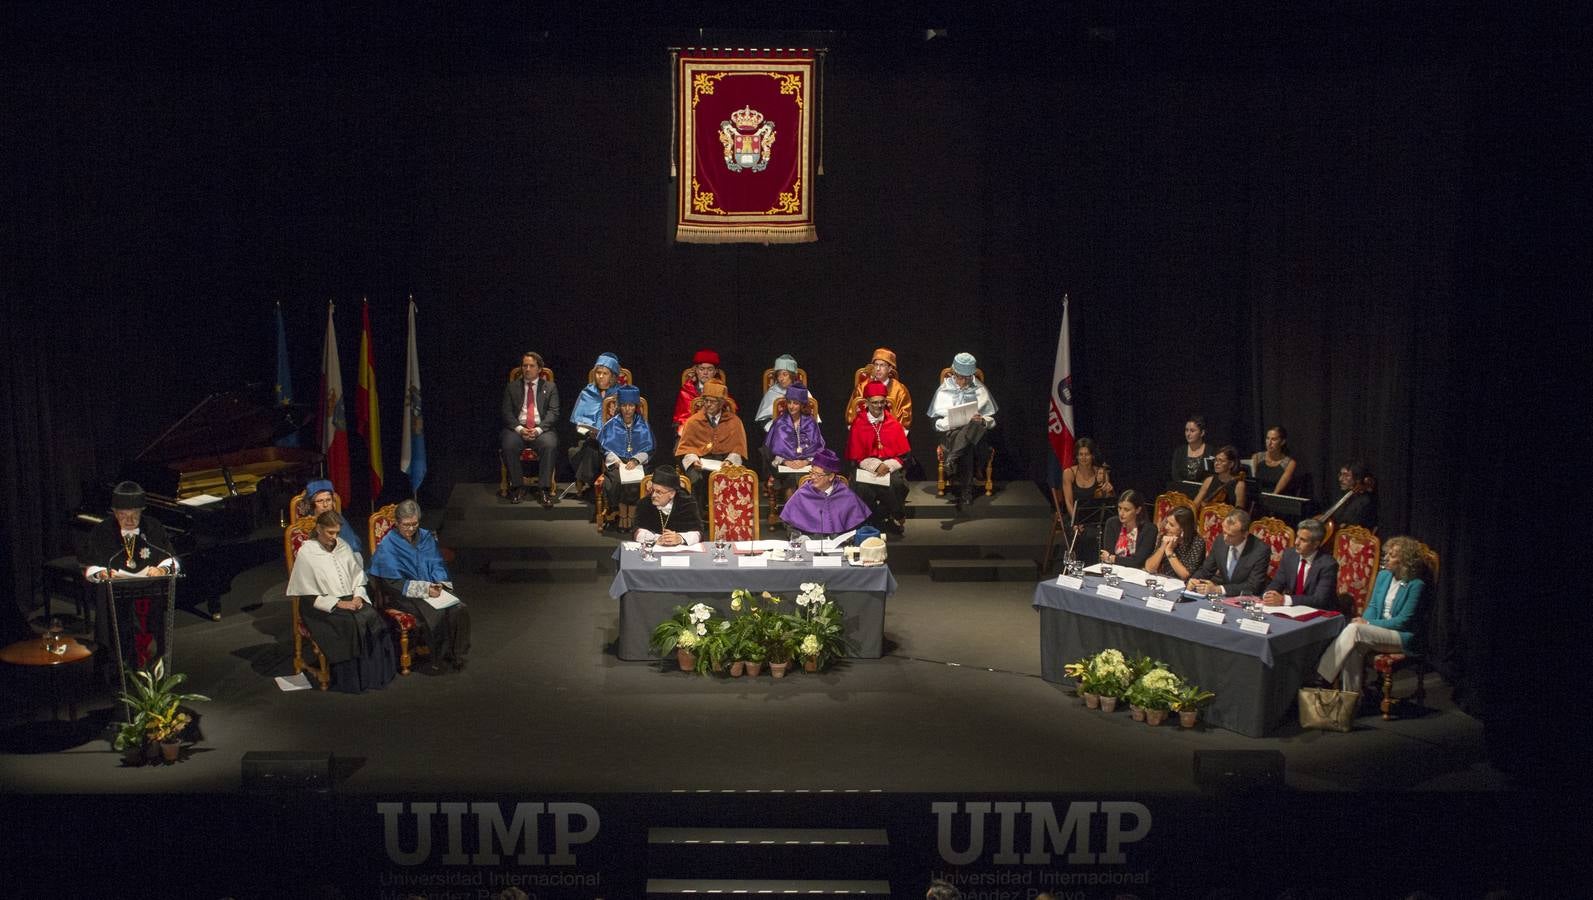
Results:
x,y
153,707
1110,673
1192,697
683,630
715,648
818,627
1157,689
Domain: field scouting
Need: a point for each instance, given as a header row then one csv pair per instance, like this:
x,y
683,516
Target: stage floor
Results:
x,y
956,704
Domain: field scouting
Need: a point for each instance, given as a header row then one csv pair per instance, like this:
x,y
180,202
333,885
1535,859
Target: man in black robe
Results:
x,y
668,514
127,545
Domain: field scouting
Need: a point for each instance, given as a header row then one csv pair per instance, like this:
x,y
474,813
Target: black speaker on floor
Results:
x,y
1239,770
272,771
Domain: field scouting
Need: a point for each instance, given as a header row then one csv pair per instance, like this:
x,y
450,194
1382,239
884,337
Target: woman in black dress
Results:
x,y
1192,461
1274,467
1227,483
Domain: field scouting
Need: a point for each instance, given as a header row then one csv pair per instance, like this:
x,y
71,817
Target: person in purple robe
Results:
x,y
792,439
824,506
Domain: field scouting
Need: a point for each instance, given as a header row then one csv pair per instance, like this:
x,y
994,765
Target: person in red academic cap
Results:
x,y
705,368
878,446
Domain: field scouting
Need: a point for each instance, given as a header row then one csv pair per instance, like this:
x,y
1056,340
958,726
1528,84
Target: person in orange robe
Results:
x,y
713,432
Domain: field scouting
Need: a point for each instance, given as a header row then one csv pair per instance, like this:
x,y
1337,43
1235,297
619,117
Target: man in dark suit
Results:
x,y
1237,564
1306,576
530,410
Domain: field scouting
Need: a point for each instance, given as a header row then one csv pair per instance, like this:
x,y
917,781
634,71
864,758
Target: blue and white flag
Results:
x,y
412,452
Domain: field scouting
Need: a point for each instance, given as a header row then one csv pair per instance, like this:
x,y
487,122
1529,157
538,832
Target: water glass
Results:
x,y
721,550
1155,586
647,550
798,543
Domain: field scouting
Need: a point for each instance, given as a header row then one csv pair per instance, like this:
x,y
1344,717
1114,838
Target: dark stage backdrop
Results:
x,y
1262,222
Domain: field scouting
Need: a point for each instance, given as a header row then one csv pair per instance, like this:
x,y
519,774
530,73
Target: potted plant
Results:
x,y
778,642
681,633
715,648
1083,676
755,656
1189,702
1154,693
155,719
819,628
1112,676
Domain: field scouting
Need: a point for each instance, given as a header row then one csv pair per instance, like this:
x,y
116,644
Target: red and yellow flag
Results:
x,y
367,421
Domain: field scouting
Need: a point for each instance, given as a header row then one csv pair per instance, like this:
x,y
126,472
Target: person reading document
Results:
x,y
410,567
967,443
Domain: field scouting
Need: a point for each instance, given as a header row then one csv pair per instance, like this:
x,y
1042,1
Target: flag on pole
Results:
x,y
412,451
366,420
333,426
284,387
1060,422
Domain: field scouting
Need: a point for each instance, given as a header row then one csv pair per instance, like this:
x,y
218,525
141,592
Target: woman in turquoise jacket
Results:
x,y
1392,621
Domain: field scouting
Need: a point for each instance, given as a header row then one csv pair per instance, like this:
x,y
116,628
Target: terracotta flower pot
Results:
x,y
737,667
1108,704
1188,717
169,750
1092,701
810,663
1155,716
754,668
685,659
1136,713
778,669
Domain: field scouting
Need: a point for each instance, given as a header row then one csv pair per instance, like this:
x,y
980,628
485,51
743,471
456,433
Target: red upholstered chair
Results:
x,y
603,514
382,523
1357,552
733,504
293,537
1277,535
940,452
1386,664
1208,522
1166,503
527,456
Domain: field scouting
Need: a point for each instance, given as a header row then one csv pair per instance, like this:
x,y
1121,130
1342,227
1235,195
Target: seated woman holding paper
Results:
x,y
627,444
824,506
1129,537
793,439
586,458
1227,483
411,570
1392,621
1179,549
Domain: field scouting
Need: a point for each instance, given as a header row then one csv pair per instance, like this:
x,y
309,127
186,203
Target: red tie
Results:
x,y
531,405
1299,579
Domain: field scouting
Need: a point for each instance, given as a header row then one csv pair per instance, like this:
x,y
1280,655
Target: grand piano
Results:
x,y
217,482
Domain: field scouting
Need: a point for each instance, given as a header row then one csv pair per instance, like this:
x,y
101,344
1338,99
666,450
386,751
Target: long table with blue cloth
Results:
x,y
1256,677
648,593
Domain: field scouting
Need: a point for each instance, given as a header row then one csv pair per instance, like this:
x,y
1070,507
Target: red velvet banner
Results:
x,y
745,147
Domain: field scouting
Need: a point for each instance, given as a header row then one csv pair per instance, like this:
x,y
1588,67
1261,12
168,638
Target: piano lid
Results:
x,y
224,423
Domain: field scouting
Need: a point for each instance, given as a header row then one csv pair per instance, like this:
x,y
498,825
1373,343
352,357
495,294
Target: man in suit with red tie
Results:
x,y
530,410
1306,576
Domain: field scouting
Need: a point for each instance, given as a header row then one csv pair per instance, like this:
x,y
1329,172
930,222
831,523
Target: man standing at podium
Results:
x,y
125,544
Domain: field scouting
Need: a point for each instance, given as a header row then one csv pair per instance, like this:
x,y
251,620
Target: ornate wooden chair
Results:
x,y
293,537
1277,535
733,504
1386,664
1166,503
855,402
528,455
940,452
1357,552
603,514
1208,522
776,497
380,526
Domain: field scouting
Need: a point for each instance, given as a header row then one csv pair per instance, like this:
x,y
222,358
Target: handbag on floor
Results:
x,y
1325,709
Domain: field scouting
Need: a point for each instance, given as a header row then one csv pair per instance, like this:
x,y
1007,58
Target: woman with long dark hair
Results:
x,y
1179,549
